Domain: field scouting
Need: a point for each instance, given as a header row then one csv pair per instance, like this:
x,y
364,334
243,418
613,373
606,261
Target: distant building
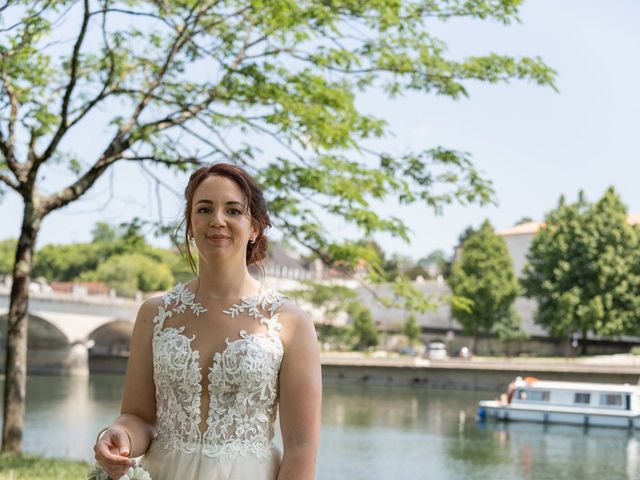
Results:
x,y
439,324
282,263
519,238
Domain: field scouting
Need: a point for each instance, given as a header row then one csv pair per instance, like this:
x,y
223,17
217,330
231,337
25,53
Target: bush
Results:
x,y
364,328
130,273
411,329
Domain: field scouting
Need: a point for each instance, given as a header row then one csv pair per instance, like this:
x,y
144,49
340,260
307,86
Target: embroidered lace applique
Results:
x,y
242,382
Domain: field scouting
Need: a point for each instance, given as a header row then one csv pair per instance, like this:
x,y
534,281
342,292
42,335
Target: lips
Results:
x,y
217,237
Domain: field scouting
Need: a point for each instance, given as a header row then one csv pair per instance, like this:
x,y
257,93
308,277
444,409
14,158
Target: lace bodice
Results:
x,y
242,382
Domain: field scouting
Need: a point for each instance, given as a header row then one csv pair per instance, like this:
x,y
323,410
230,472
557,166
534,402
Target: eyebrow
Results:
x,y
230,202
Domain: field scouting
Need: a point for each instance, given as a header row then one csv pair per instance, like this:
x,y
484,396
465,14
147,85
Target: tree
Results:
x,y
584,270
130,273
509,329
65,263
467,232
411,329
364,328
483,275
75,261
103,232
435,262
523,220
332,299
282,72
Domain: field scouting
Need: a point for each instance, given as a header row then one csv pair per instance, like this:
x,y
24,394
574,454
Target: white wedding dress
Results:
x,y
242,384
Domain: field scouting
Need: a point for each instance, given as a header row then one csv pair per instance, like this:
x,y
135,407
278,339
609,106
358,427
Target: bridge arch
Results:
x,y
109,347
49,349
41,333
111,338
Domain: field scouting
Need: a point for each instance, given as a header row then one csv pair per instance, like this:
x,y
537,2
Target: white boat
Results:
x,y
575,403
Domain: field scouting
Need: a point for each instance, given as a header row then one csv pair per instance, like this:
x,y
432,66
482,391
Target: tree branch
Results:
x,y
203,139
75,190
164,161
8,145
73,77
182,37
9,182
112,154
123,11
105,92
120,143
192,111
159,182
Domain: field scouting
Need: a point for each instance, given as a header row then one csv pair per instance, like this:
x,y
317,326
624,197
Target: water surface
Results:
x,y
370,433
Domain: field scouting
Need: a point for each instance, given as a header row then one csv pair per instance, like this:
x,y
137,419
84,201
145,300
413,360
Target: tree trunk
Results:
x,y
16,359
583,349
568,348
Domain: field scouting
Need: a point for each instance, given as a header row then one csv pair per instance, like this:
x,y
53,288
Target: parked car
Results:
x,y
408,351
437,351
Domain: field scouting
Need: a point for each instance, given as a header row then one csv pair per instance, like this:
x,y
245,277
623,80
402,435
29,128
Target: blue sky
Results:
x,y
533,143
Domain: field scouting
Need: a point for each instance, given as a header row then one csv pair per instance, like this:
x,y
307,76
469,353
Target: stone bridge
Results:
x,y
65,330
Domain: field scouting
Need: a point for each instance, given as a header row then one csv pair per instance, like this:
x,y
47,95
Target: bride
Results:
x,y
211,359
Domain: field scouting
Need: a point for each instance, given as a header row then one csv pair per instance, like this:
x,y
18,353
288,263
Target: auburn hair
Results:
x,y
256,205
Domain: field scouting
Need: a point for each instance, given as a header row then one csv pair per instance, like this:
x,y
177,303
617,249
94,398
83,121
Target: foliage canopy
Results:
x,y
484,276
584,269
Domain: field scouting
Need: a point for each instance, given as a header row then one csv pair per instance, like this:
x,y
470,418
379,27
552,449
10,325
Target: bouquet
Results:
x,y
135,473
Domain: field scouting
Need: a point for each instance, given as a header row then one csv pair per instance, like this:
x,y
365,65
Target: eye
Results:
x,y
204,210
234,211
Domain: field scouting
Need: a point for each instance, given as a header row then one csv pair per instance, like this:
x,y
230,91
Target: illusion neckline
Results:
x,y
245,302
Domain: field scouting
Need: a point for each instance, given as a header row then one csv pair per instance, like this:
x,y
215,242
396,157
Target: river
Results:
x,y
370,433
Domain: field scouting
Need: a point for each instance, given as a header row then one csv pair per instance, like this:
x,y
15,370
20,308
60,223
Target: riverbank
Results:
x,y
34,467
596,363
479,373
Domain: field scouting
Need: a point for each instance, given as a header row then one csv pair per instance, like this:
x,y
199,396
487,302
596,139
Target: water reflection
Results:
x,y
370,433
529,450
64,413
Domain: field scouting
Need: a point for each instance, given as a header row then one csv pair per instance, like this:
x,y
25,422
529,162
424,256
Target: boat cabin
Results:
x,y
576,394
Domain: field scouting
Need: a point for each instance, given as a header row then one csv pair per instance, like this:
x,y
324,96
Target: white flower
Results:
x,y
97,473
134,473
137,473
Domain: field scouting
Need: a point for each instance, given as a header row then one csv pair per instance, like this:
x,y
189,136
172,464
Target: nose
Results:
x,y
217,218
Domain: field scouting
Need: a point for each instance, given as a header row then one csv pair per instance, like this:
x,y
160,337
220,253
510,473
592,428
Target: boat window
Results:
x,y
538,395
611,399
584,398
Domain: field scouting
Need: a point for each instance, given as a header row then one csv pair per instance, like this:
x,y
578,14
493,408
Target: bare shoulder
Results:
x,y
149,309
291,314
295,322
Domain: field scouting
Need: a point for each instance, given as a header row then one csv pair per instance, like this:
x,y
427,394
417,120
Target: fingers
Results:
x,y
112,452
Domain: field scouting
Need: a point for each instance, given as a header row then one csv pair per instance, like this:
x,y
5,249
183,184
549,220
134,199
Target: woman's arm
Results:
x,y
300,396
136,422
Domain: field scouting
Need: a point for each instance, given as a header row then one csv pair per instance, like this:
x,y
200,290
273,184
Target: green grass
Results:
x,y
32,467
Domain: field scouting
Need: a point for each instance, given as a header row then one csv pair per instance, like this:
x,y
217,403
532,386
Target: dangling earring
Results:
x,y
192,238
252,240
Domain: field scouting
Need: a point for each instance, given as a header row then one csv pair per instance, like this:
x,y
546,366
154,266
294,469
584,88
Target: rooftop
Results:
x,y
530,228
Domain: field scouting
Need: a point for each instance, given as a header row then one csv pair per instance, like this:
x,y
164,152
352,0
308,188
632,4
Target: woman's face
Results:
x,y
219,223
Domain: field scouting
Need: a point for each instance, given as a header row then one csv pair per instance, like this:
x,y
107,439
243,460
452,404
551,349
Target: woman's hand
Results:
x,y
112,451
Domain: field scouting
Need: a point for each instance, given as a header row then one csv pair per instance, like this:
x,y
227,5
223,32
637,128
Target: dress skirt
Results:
x,y
164,464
